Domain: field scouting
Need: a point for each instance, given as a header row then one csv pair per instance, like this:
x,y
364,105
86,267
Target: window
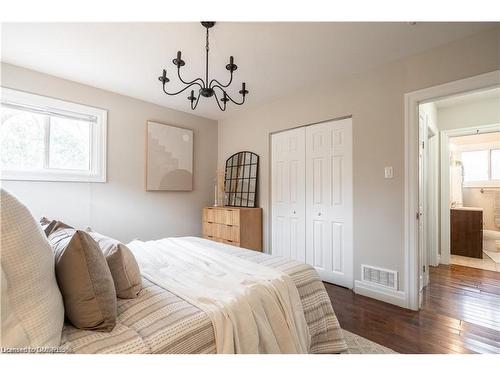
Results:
x,y
481,167
475,165
52,140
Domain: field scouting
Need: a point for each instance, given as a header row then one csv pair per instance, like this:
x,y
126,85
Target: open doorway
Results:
x,y
459,182
459,192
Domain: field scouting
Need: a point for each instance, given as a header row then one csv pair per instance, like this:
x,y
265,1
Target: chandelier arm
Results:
x,y
218,104
242,102
220,84
184,89
193,81
227,95
196,103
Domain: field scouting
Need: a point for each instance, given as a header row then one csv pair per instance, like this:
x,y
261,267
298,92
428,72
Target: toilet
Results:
x,y
490,238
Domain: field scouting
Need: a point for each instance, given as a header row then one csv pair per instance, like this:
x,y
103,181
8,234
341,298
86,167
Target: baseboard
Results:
x,y
394,297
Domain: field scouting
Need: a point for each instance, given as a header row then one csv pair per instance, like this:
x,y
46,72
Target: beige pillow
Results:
x,y
84,279
32,312
122,264
13,332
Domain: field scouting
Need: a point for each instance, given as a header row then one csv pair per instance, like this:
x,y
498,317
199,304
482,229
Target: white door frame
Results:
x,y
433,196
412,101
445,136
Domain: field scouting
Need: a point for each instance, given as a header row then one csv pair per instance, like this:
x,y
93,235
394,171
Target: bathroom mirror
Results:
x,y
240,183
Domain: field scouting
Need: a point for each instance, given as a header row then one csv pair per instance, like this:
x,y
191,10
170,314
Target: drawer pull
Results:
x,y
229,240
210,222
210,236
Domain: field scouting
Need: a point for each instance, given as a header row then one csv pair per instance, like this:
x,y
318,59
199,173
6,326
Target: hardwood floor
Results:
x,y
460,314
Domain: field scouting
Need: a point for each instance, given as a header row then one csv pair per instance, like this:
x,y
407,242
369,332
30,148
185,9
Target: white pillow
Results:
x,y
34,310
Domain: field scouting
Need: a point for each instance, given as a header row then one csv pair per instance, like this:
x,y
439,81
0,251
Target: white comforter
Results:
x,y
254,309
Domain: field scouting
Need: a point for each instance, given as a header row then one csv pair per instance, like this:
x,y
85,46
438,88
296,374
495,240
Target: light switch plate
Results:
x,y
388,172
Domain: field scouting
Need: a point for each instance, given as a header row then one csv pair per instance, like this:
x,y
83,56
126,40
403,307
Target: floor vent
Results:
x,y
379,276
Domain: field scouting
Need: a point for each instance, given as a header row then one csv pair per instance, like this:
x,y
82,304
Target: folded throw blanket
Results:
x,y
254,308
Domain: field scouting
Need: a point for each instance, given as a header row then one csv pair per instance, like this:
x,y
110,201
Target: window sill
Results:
x,y
67,176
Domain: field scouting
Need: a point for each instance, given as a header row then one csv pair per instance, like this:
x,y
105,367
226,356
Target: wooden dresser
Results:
x,y
466,231
237,226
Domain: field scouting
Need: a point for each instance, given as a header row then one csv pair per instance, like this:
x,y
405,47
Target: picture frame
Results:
x,y
169,157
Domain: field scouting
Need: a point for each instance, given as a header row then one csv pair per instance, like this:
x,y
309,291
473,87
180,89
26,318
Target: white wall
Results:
x,y
481,112
120,207
375,99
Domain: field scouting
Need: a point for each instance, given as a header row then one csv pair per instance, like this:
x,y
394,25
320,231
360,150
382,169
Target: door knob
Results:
x,y
319,213
294,212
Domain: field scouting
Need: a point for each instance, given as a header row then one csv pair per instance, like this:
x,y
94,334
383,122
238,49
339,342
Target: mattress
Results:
x,y
158,321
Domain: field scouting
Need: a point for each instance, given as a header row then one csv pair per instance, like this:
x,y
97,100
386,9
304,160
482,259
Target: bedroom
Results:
x,y
92,142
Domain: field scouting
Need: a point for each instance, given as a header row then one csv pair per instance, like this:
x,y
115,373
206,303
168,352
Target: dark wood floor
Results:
x,y
460,314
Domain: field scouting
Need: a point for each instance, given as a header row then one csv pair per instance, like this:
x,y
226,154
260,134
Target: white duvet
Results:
x,y
254,309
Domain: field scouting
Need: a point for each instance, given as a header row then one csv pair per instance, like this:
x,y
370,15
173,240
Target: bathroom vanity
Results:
x,y
466,231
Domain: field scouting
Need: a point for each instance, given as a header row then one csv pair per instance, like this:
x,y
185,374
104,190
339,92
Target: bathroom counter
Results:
x,y
467,208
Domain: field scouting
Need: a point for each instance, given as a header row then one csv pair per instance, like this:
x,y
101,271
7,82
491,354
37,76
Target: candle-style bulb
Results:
x,y
178,55
231,60
164,74
243,90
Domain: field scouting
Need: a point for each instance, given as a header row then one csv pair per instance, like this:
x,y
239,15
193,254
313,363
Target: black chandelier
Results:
x,y
206,89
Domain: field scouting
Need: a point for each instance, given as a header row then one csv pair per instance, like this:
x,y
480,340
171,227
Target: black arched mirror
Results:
x,y
240,183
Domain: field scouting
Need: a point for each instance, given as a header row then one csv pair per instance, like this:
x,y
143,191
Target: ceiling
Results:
x,y
274,59
469,98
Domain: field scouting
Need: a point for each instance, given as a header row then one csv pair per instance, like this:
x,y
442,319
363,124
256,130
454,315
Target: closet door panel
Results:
x,y
288,194
329,200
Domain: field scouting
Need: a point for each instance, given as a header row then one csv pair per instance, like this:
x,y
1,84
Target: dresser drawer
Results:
x,y
209,215
229,232
229,242
226,216
229,217
210,229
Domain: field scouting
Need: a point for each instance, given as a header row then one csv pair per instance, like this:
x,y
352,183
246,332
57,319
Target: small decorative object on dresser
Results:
x,y
237,226
219,188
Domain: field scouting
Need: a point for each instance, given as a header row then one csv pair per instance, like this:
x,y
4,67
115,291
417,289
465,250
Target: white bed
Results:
x,y
168,316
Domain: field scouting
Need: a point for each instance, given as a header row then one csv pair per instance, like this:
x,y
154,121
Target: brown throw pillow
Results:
x,y
84,279
122,264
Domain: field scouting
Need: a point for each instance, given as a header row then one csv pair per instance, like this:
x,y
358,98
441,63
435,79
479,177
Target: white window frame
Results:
x,y
481,147
98,144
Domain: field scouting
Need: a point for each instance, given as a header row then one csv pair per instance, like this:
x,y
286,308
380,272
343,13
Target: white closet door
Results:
x,y
329,246
288,194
